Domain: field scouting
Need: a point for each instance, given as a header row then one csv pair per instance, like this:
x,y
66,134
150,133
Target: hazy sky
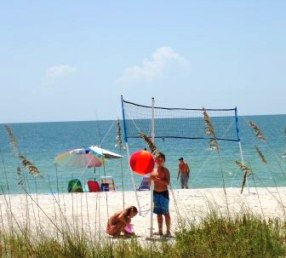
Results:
x,y
71,60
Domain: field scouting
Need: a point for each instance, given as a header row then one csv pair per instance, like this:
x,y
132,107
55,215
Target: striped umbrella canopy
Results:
x,y
104,153
79,158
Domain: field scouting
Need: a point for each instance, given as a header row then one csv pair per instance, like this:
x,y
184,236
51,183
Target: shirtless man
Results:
x,y
184,172
161,179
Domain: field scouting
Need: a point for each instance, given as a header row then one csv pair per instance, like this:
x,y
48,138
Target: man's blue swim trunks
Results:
x,y
161,202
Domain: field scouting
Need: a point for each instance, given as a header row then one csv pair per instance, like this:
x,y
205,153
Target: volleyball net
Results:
x,y
183,123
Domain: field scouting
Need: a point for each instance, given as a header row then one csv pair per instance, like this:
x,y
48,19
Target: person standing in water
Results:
x,y
184,173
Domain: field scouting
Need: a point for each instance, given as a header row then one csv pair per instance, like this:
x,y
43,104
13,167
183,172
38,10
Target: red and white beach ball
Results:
x,y
142,162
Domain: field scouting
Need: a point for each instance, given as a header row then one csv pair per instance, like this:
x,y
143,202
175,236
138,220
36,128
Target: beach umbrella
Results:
x,y
106,154
79,158
90,157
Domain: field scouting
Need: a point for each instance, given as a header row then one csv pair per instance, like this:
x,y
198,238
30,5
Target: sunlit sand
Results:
x,y
88,212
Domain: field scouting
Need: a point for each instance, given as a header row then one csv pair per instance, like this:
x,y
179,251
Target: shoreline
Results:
x,y
89,212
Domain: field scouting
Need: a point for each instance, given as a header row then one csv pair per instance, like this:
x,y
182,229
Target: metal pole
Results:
x,y
153,122
133,181
128,156
152,184
239,144
242,161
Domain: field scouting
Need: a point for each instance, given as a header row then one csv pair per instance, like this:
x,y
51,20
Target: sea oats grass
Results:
x,y
241,236
216,236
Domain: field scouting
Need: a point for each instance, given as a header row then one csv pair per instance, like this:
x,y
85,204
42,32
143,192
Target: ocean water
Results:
x,y
40,143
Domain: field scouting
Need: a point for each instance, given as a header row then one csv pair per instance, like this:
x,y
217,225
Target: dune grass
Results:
x,y
242,236
215,236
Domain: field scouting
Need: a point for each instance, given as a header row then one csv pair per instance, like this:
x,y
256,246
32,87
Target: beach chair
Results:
x,y
145,185
75,186
93,186
107,183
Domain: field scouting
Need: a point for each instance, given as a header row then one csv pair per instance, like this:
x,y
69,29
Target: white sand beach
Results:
x,y
89,211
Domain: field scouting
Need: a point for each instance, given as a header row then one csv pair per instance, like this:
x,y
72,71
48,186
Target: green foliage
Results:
x,y
15,244
215,236
244,236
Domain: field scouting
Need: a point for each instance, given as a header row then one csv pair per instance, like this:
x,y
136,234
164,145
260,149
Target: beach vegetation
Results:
x,y
216,236
242,236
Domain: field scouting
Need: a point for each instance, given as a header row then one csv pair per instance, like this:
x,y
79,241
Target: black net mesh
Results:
x,y
179,122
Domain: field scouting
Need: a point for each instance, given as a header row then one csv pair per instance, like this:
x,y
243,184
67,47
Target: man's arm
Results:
x,y
188,169
165,180
178,173
167,176
150,178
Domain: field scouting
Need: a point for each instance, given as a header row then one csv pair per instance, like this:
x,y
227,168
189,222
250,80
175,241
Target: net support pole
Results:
x,y
152,184
153,121
133,181
151,208
239,144
123,190
242,161
128,156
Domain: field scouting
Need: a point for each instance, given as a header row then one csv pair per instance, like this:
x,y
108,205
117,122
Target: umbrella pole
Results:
x,y
106,195
57,179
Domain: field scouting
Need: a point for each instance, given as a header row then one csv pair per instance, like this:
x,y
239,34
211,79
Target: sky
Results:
x,y
72,60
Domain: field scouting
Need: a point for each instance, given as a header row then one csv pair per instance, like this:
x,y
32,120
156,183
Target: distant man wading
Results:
x,y
184,173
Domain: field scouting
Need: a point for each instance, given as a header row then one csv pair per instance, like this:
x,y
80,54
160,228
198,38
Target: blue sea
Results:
x,y
40,143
